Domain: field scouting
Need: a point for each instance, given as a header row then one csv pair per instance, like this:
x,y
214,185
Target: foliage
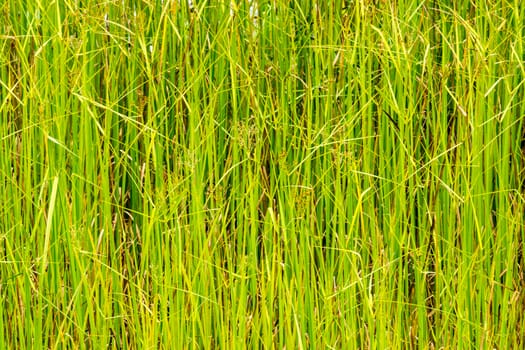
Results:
x,y
265,174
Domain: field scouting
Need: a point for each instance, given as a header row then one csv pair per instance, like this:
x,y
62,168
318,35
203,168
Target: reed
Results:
x,y
262,174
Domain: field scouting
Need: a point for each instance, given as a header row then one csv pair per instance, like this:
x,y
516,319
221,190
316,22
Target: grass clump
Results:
x,y
262,174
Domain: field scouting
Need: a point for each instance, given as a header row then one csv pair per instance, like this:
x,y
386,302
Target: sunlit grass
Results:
x,y
265,174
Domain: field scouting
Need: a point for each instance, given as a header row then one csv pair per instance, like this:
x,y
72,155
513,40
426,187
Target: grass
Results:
x,y
265,174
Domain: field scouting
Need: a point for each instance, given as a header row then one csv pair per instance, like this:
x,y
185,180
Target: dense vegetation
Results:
x,y
265,174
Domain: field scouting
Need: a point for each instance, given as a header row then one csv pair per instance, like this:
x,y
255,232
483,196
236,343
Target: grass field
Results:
x,y
304,174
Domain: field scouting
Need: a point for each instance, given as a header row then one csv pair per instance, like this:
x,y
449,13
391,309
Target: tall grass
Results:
x,y
265,174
